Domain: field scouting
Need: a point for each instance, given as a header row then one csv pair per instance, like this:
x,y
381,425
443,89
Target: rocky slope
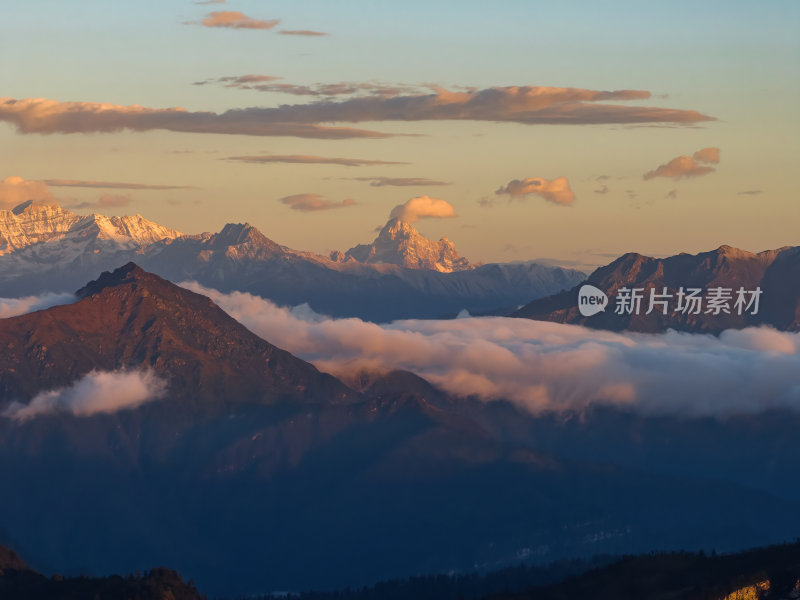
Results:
x,y
130,319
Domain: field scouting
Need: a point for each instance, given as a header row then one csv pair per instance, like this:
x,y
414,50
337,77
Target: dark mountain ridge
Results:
x,y
775,272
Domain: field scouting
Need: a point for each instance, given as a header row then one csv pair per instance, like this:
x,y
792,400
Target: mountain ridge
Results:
x,y
399,243
776,272
241,258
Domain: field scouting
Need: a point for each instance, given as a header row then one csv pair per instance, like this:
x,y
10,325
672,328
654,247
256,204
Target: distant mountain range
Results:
x,y
722,272
45,248
254,471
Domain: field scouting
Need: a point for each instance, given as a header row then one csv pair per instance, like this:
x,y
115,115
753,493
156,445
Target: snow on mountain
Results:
x,y
399,243
33,223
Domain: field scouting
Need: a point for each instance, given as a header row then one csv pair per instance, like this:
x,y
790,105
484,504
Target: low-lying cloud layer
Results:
x,y
12,307
544,366
557,191
423,207
98,392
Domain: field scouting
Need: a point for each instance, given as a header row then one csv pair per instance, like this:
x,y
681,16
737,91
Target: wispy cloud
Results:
x,y
209,1
105,201
114,185
232,19
309,159
271,83
40,115
557,191
687,166
603,189
98,392
314,202
423,207
750,192
526,104
302,32
400,181
544,366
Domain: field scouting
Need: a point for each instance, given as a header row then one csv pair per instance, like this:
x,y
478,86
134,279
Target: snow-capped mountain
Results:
x,y
398,243
50,249
34,223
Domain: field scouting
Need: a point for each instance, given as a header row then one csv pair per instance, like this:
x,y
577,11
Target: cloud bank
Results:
x,y
12,307
557,191
544,366
98,392
314,202
423,207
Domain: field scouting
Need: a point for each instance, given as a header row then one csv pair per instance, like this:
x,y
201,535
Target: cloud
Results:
x,y
423,207
556,191
114,185
707,155
308,159
750,192
545,366
314,202
672,194
12,307
687,166
303,32
528,105
16,190
603,189
400,181
40,115
519,104
236,20
209,1
105,201
271,83
98,392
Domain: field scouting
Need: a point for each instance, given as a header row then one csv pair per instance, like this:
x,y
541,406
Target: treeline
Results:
x,y
467,586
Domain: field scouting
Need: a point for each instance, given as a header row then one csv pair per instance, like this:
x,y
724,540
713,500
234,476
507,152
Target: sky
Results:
x,y
569,131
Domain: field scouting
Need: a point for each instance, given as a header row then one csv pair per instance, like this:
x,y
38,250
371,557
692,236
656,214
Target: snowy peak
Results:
x,y
398,243
35,222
